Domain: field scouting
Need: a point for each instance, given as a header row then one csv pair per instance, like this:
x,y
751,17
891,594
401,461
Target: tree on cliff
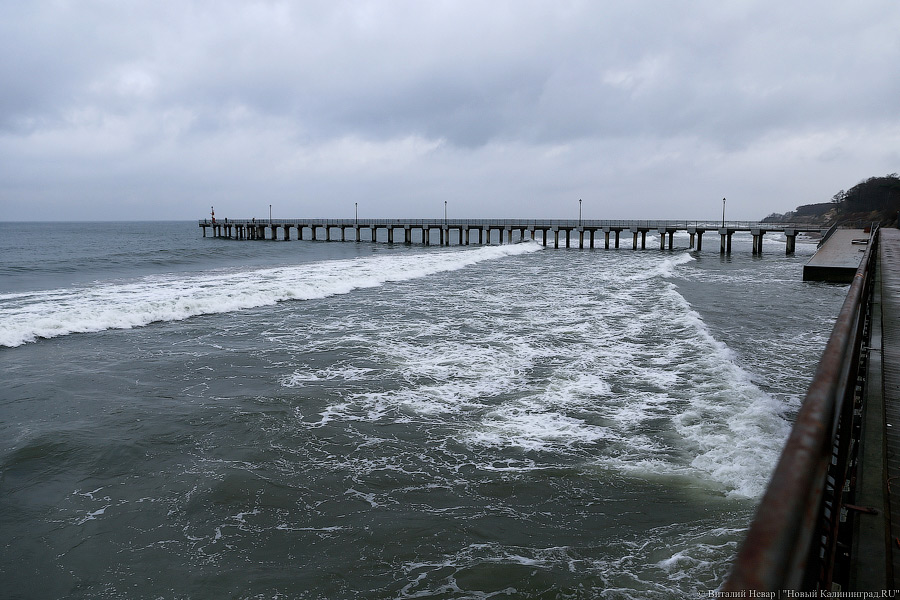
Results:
x,y
878,195
876,199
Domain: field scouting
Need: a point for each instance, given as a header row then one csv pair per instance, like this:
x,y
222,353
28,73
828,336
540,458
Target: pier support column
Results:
x,y
690,240
556,238
581,238
287,233
790,241
643,240
606,239
634,235
509,235
725,245
671,240
568,237
356,232
390,232
617,237
757,240
662,239
327,233
312,232
407,235
699,241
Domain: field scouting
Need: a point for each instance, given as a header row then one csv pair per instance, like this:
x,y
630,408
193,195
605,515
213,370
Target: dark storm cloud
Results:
x,y
504,107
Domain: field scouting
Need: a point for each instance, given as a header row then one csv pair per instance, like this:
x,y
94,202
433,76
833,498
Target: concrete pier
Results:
x,y
838,257
508,230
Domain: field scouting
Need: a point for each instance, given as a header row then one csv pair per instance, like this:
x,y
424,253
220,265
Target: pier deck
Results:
x,y
838,258
890,366
876,552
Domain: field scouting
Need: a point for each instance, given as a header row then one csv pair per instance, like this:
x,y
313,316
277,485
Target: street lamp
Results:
x,y
356,205
579,212
445,212
723,212
270,214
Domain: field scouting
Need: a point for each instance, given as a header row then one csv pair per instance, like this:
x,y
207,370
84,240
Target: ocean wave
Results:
x,y
619,370
27,317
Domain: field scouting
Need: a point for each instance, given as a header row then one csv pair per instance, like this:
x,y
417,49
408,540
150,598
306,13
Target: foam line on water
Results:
x,y
27,317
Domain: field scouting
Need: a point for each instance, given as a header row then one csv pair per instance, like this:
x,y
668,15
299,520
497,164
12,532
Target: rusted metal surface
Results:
x,y
791,542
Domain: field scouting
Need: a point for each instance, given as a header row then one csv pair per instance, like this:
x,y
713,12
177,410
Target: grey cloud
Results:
x,y
169,90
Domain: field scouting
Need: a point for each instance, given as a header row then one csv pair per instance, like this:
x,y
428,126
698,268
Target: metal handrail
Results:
x,y
827,235
791,529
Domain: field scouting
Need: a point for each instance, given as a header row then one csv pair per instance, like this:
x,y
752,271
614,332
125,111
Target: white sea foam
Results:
x,y
727,430
618,369
28,317
648,386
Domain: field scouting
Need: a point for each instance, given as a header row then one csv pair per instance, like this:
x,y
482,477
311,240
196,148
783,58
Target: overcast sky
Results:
x,y
642,109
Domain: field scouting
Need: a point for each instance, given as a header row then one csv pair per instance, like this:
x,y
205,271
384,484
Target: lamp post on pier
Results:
x,y
270,214
723,212
356,206
579,212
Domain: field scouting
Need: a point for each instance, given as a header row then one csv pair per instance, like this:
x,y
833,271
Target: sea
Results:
x,y
189,417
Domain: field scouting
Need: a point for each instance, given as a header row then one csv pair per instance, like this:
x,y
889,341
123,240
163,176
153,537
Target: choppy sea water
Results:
x,y
188,417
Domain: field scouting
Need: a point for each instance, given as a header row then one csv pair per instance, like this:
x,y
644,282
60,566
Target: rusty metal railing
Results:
x,y
792,541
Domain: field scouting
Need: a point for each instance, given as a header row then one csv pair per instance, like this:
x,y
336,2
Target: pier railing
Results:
x,y
792,542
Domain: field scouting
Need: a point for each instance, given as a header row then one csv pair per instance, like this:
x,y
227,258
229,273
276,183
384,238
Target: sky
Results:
x,y
159,110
